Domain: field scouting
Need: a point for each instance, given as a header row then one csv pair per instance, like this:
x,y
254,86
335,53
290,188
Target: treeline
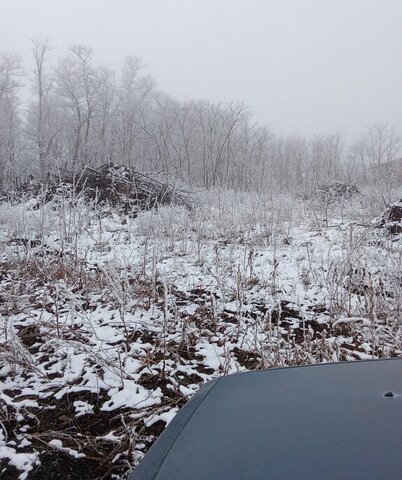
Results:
x,y
80,113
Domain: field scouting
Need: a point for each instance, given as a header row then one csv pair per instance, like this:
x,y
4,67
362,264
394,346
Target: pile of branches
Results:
x,y
391,218
117,185
335,191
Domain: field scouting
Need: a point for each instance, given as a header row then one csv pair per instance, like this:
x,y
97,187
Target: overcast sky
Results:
x,y
303,66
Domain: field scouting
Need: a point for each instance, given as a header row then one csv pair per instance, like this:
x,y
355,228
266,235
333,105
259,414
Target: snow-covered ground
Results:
x,y
110,323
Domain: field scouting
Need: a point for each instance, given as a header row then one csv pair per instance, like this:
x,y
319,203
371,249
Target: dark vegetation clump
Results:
x,y
391,218
335,191
125,188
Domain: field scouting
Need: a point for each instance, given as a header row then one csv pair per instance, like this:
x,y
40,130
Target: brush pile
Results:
x,y
117,185
391,218
335,191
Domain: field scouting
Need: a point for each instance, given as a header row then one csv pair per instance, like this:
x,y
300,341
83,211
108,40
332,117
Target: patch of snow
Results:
x,y
58,445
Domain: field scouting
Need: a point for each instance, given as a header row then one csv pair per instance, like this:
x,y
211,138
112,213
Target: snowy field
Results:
x,y
108,324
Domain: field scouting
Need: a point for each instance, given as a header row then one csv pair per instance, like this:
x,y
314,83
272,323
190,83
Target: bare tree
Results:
x,y
102,143
133,93
10,121
381,150
77,85
40,49
382,145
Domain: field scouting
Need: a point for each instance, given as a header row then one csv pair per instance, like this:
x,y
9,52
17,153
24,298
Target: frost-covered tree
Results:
x,y
10,120
376,153
133,93
44,119
76,86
